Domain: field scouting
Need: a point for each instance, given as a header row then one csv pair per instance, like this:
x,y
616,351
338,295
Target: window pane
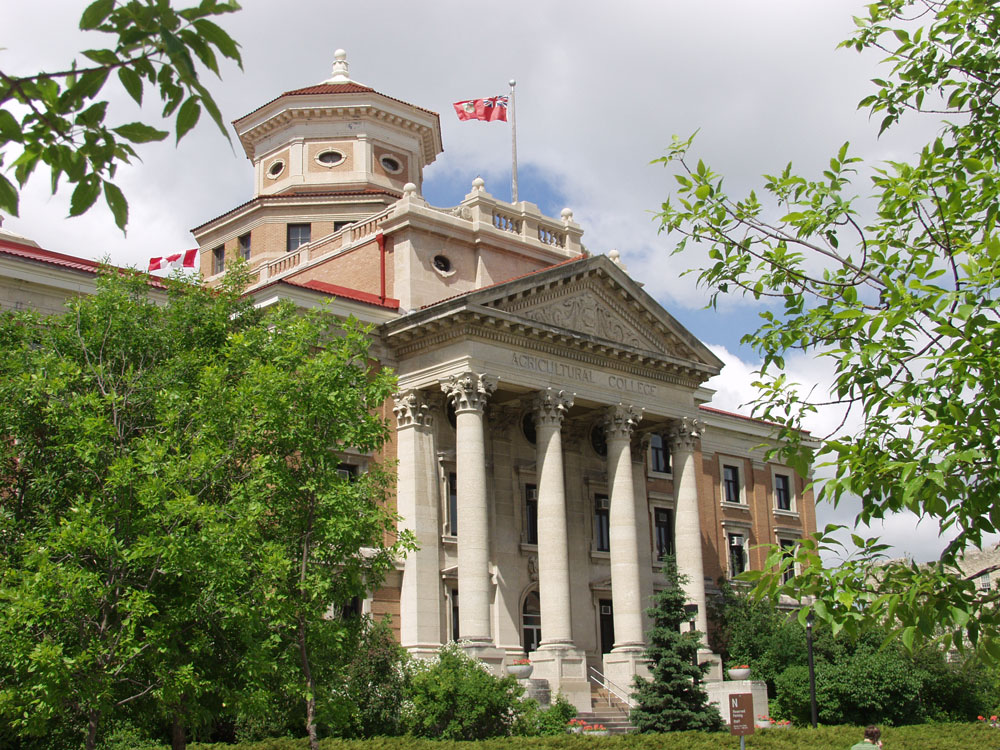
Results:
x,y
298,234
602,528
245,246
531,514
218,259
731,483
659,458
453,504
737,556
664,522
782,492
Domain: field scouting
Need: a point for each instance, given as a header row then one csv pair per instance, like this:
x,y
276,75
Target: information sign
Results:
x,y
741,714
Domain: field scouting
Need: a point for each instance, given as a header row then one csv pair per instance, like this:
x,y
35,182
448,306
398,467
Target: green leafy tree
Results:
x,y
60,119
456,697
173,524
903,306
675,698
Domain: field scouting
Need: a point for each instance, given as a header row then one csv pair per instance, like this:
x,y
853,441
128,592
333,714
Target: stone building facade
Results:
x,y
554,437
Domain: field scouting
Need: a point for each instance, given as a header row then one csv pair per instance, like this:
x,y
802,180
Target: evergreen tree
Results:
x,y
675,699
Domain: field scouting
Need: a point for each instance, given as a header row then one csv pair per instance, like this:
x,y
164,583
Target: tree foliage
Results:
x,y
60,119
674,699
901,303
173,524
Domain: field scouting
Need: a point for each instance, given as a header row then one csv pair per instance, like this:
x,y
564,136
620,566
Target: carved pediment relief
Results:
x,y
588,308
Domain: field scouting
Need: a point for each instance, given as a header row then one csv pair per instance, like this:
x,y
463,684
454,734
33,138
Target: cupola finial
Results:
x,y
339,72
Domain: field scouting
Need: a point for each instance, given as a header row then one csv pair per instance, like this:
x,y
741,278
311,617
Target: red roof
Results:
x,y
335,88
47,257
341,291
574,259
303,194
713,410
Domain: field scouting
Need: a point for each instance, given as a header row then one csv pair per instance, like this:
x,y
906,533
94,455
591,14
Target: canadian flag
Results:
x,y
489,109
177,260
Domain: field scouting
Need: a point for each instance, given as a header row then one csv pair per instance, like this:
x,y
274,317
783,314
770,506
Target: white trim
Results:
x,y
793,504
741,480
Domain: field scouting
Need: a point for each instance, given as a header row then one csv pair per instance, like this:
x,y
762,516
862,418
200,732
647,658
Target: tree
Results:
x,y
675,698
902,304
173,522
58,118
456,697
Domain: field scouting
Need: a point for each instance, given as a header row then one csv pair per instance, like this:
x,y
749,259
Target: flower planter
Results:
x,y
520,671
597,733
739,674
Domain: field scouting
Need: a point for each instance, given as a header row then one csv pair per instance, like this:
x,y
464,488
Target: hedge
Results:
x,y
919,737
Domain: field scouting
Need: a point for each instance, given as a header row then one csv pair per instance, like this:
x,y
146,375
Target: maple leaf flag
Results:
x,y
489,109
177,260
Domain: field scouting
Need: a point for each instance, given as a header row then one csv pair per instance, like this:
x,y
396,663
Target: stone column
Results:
x,y
626,591
687,522
417,503
553,542
468,394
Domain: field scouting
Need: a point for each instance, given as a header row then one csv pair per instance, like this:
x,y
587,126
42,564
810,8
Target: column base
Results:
x,y
425,651
487,653
714,673
565,668
719,692
623,663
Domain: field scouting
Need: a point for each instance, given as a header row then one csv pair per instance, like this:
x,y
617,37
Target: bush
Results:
x,y
547,722
457,698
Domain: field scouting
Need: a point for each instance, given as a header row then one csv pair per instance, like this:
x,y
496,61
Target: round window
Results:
x,y
276,168
597,440
391,164
442,263
330,158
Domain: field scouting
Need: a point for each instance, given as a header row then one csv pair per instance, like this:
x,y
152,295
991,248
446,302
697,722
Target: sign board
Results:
x,y
741,713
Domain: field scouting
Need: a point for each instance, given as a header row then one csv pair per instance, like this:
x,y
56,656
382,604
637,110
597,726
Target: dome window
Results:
x,y
275,169
330,157
442,263
391,164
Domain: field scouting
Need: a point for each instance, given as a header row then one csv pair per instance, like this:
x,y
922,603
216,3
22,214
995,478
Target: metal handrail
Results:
x,y
616,690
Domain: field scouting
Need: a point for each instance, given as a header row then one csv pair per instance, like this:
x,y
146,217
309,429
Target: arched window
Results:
x,y
531,615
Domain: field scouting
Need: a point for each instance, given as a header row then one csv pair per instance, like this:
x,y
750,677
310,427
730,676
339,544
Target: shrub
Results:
x,y
456,697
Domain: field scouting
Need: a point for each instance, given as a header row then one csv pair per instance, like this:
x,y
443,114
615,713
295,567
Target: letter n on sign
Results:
x,y
741,713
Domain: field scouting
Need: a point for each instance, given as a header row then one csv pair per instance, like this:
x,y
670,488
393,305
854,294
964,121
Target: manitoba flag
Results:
x,y
489,109
178,260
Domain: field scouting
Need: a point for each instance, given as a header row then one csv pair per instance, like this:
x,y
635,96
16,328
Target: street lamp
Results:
x,y
691,610
810,620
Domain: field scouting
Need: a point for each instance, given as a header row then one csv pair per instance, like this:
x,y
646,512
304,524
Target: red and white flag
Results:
x,y
488,109
177,260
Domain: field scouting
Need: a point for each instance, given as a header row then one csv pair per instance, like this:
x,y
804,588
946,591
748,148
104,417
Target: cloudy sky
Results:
x,y
601,88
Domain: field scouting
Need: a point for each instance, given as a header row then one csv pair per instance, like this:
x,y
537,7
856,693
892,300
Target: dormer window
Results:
x,y
391,164
275,170
330,158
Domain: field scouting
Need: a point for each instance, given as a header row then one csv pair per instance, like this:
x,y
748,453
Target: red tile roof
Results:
x,y
342,291
713,410
574,259
334,88
303,194
48,257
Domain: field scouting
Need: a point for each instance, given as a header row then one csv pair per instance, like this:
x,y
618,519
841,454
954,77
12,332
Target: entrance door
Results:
x,y
607,626
531,614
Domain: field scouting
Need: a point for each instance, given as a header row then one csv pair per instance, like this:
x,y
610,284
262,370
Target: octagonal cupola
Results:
x,y
336,136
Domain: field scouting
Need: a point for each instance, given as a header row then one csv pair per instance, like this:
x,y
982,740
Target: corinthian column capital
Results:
x,y
469,391
684,433
551,406
620,421
412,410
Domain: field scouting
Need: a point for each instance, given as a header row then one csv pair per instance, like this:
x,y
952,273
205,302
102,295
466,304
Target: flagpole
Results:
x,y
513,144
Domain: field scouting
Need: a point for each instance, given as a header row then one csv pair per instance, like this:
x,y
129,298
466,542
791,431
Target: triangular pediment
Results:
x,y
593,307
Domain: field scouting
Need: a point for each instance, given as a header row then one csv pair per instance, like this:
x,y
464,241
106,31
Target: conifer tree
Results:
x,y
675,699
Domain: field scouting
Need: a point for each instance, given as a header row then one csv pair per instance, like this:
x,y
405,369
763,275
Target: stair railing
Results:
x,y
612,689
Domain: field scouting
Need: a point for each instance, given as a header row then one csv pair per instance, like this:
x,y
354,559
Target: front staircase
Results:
x,y
607,709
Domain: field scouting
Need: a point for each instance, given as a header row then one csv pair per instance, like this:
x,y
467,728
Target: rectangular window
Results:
x,y
983,582
787,550
737,555
663,521
298,234
218,259
782,492
731,483
531,514
245,246
454,615
338,225
350,472
602,525
659,457
453,504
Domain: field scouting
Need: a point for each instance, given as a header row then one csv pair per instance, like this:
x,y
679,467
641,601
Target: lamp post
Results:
x,y
810,619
